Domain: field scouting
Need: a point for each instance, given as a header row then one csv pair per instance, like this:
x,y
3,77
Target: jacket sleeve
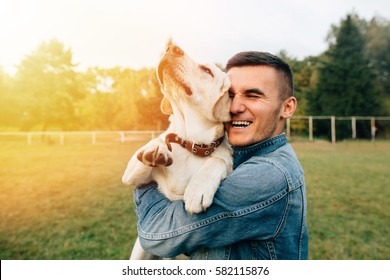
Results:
x,y
250,203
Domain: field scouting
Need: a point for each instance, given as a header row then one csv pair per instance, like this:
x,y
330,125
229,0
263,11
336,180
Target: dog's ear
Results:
x,y
166,107
221,109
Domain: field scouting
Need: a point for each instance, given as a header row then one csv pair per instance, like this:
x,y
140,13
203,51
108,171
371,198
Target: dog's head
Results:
x,y
184,81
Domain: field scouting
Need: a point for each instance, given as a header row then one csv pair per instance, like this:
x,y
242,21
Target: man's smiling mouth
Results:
x,y
241,124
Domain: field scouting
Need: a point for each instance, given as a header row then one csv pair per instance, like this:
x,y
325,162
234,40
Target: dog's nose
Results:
x,y
175,50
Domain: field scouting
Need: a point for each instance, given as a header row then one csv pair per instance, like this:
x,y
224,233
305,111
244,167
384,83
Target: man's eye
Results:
x,y
207,70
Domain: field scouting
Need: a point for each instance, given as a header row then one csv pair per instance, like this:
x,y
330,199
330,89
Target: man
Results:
x,y
259,210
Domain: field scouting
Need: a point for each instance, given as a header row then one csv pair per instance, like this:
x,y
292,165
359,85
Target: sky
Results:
x,y
134,33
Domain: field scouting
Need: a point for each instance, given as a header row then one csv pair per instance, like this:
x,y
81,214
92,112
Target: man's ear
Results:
x,y
288,107
166,107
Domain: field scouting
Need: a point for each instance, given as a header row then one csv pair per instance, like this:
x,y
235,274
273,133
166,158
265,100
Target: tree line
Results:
x,y
351,78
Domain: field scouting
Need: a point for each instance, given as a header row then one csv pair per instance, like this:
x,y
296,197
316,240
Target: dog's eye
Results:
x,y
207,70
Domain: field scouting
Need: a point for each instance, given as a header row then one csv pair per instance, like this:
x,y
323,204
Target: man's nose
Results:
x,y
174,50
237,105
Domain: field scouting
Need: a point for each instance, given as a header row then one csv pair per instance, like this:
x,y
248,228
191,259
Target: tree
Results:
x,y
346,85
377,34
305,79
121,99
149,104
9,105
47,86
99,108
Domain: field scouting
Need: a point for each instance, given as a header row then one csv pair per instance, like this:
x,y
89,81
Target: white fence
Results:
x,y
94,137
333,120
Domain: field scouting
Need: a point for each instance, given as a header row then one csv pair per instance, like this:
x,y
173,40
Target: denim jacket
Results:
x,y
258,212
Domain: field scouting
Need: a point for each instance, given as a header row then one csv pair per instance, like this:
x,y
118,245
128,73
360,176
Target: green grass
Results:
x,y
348,189
65,202
68,202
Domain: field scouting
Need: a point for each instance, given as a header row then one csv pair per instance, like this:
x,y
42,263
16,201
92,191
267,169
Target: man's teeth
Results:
x,y
240,123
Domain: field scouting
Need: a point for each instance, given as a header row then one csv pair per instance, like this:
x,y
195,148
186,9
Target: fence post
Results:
x,y
311,128
122,134
29,139
333,124
62,138
373,129
353,119
93,138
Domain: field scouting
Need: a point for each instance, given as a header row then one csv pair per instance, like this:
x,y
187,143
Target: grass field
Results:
x,y
68,202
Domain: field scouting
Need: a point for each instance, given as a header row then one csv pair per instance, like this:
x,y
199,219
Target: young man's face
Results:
x,y
256,107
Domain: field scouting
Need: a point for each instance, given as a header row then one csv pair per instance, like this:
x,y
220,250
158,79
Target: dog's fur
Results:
x,y
196,97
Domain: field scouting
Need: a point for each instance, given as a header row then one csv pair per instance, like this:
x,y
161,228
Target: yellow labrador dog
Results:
x,y
189,160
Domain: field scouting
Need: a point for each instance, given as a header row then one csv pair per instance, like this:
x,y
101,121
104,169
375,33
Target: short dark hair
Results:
x,y
254,58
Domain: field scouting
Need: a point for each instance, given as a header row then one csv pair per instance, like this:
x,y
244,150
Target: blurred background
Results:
x,y
79,95
89,65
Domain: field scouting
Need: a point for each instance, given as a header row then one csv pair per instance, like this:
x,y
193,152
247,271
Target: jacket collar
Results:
x,y
262,148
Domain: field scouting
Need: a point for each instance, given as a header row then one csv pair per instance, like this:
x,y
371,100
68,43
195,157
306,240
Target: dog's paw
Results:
x,y
155,153
198,197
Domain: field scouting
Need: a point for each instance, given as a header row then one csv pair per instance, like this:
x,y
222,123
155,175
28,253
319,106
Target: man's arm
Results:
x,y
249,204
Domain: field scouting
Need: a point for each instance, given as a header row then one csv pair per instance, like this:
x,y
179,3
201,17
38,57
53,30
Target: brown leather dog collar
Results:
x,y
198,150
